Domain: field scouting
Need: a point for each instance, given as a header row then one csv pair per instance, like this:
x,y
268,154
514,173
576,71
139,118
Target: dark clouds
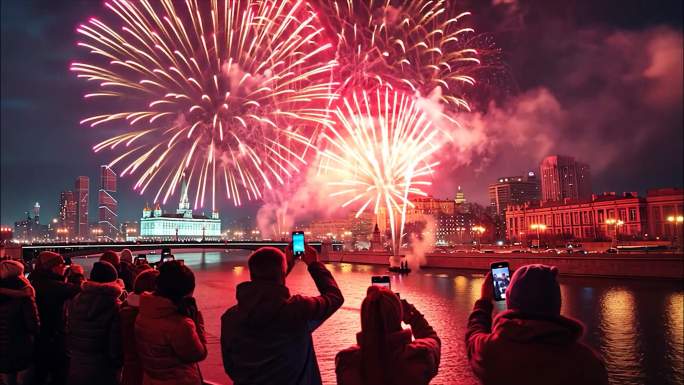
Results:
x,y
600,80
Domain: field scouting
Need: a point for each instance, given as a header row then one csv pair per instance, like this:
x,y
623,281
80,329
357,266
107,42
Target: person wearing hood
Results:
x,y
124,267
266,338
93,329
132,373
385,352
52,291
169,329
19,323
531,342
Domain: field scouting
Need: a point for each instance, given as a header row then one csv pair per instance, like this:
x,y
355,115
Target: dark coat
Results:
x,y
266,337
169,344
132,373
412,362
127,274
93,334
19,324
51,293
530,349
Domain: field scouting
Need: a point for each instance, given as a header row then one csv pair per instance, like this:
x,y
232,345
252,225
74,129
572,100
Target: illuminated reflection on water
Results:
x,y
637,326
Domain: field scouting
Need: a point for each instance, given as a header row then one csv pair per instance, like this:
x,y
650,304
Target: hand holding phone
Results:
x,y
381,280
501,278
298,248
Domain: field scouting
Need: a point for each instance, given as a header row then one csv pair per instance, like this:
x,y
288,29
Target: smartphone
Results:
x,y
501,277
141,259
381,280
298,243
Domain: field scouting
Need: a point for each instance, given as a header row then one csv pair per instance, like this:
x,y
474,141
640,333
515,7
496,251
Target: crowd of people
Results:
x,y
133,324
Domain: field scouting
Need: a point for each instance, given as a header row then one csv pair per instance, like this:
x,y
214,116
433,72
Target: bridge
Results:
x,y
28,252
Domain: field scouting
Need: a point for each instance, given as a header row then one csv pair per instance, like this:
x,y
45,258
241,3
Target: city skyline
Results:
x,y
537,110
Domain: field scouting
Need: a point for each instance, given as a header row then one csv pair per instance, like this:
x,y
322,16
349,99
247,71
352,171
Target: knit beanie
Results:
x,y
11,269
534,289
381,312
126,256
47,260
146,281
103,272
111,257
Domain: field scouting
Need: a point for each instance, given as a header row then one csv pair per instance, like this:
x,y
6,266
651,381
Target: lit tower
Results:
x,y
107,205
82,186
36,213
184,204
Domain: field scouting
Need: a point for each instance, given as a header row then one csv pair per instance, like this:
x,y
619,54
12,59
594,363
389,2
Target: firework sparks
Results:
x,y
381,154
414,45
215,91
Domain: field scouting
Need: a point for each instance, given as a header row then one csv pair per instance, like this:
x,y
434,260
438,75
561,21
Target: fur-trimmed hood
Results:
x,y
113,289
96,298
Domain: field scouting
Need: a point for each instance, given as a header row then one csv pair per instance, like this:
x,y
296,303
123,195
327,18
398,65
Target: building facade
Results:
x,y
81,188
67,214
562,177
107,205
513,190
605,216
182,225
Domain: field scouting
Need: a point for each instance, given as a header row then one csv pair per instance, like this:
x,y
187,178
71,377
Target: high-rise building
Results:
x,y
81,189
513,190
564,178
107,205
460,197
67,214
36,213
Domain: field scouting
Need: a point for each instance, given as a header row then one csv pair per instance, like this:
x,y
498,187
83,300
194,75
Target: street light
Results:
x,y
538,227
676,220
478,230
617,223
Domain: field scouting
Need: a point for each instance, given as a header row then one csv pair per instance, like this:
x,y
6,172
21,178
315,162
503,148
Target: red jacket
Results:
x,y
413,362
169,344
528,350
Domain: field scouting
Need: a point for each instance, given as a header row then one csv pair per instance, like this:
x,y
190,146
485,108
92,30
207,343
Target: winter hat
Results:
x,y
381,312
126,256
175,280
111,257
534,289
48,259
103,272
145,281
11,269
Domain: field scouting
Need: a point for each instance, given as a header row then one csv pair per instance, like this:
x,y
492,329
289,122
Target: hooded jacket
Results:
x,y
530,349
413,362
266,337
51,293
169,344
93,334
19,324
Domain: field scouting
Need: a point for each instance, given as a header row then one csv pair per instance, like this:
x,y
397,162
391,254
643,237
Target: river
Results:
x,y
636,325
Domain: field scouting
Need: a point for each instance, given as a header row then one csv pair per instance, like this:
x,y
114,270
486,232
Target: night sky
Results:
x,y
598,80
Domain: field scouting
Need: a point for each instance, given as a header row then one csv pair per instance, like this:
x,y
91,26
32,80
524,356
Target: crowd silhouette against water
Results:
x,y
133,323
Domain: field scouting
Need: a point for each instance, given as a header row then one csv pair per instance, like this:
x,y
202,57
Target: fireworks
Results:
x,y
415,45
211,91
380,154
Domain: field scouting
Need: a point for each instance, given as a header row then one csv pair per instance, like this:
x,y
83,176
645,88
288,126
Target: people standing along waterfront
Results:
x,y
385,352
93,329
531,342
169,329
51,292
145,282
19,324
266,337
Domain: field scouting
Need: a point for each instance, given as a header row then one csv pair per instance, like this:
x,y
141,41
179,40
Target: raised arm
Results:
x,y
426,337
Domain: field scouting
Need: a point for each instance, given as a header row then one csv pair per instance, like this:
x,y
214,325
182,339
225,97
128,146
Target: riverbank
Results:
x,y
666,266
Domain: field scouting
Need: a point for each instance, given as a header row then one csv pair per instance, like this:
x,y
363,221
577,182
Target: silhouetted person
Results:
x,y
132,373
75,274
266,337
51,292
93,329
124,269
531,342
169,329
386,353
19,324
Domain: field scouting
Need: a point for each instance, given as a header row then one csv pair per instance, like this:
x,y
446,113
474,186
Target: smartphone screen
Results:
x,y
298,243
381,280
501,277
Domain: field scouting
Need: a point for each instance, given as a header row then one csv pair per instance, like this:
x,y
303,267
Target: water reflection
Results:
x,y
675,325
620,345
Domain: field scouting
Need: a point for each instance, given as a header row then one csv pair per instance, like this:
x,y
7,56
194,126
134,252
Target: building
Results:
x,y
182,225
81,189
453,228
36,213
460,197
107,205
605,216
513,190
564,178
29,229
67,215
